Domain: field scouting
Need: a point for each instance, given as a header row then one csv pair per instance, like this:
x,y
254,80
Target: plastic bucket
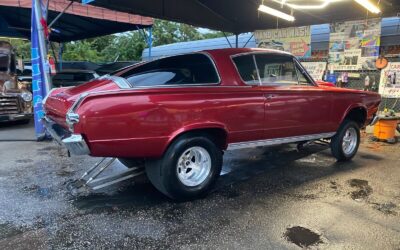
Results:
x,y
385,129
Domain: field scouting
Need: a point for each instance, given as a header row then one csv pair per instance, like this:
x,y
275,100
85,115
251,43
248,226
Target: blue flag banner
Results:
x,y
38,69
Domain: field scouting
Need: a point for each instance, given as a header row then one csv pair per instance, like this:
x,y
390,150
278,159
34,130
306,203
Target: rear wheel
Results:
x,y
344,144
188,169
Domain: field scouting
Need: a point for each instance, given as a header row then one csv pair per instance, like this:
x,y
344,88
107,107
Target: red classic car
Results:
x,y
180,113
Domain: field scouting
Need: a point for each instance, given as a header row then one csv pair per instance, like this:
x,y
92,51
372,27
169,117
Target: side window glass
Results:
x,y
303,80
276,69
247,69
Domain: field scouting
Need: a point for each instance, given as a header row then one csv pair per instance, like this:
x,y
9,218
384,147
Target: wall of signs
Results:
x,y
389,85
296,40
315,69
354,45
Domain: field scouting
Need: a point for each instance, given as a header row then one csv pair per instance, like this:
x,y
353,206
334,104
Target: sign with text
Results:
x,y
296,40
315,69
389,85
354,45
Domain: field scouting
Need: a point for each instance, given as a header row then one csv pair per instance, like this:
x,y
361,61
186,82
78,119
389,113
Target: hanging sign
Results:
x,y
315,69
389,85
354,45
296,40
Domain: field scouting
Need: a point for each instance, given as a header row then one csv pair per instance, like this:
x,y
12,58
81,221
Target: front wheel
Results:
x,y
188,169
344,144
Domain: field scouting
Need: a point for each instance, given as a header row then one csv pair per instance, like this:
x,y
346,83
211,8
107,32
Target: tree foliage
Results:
x,y
127,46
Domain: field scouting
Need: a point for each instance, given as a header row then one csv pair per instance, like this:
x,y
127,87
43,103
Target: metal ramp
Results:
x,y
90,180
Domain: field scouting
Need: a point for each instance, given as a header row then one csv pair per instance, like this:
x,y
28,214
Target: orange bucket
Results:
x,y
385,129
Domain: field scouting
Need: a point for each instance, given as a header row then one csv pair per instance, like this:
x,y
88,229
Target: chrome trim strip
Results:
x,y
304,71
120,81
374,120
71,117
277,141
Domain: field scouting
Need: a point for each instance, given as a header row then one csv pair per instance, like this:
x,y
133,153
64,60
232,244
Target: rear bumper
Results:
x,y
15,117
75,143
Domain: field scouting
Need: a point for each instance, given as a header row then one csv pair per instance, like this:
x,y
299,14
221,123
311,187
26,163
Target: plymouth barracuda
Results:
x,y
179,114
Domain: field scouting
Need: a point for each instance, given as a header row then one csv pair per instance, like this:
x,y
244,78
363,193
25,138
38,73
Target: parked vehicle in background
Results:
x,y
109,68
180,113
15,98
25,77
72,77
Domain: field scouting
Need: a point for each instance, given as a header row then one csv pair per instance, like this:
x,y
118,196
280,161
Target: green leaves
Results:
x,y
126,46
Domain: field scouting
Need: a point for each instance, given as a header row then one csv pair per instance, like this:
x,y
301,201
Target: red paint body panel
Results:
x,y
142,122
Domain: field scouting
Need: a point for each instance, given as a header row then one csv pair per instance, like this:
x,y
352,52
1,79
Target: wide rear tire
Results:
x,y
345,143
188,169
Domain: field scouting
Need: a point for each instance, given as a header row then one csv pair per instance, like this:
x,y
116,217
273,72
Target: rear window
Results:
x,y
175,70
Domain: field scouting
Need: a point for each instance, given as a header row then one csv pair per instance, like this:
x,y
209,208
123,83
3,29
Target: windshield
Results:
x,y
4,59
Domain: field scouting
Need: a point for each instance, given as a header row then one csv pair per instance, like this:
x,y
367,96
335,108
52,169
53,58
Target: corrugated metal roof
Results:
x,y
187,47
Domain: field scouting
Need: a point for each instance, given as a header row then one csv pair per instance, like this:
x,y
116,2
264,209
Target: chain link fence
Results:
x,y
360,83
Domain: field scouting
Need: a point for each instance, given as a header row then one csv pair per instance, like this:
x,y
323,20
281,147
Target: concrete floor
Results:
x,y
267,198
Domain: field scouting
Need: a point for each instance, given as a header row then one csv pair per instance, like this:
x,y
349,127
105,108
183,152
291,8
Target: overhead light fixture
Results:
x,y
276,13
324,3
369,6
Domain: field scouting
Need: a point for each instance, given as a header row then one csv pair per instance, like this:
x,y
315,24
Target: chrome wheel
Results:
x,y
194,166
350,140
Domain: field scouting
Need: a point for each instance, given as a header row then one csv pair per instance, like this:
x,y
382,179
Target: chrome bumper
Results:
x,y
15,117
75,143
374,120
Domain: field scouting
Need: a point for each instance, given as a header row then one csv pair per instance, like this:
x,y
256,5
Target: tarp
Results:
x,y
78,22
239,16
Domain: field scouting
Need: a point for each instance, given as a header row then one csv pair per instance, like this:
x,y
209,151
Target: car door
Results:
x,y
294,105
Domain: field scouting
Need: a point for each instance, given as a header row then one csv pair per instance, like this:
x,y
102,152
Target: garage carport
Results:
x,y
275,198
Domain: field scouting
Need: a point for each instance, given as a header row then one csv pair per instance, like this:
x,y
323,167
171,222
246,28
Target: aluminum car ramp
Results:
x,y
91,181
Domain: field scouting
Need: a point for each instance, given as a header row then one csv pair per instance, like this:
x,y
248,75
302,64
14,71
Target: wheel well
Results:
x,y
358,115
217,135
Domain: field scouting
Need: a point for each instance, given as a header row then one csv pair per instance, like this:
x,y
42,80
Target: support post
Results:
x,y
237,40
60,53
150,40
229,42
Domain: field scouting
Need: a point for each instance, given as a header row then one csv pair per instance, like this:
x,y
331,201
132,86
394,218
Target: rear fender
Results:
x,y
197,127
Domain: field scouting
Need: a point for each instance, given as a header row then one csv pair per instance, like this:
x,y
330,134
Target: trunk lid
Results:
x,y
60,100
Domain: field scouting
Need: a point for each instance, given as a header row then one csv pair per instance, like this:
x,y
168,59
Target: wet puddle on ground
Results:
x,y
302,237
7,230
363,189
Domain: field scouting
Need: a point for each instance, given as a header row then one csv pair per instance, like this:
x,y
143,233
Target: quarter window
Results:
x,y
175,70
